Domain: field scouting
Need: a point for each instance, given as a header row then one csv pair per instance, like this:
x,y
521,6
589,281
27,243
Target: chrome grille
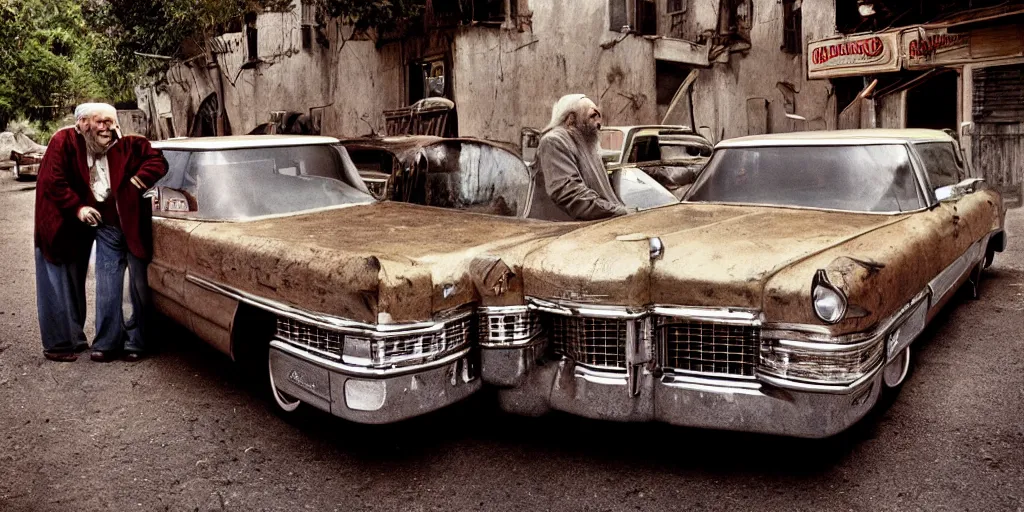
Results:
x,y
398,349
385,349
591,341
709,347
312,337
509,328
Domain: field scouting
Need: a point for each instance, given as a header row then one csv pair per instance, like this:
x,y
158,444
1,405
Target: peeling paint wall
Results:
x,y
505,79
351,79
721,94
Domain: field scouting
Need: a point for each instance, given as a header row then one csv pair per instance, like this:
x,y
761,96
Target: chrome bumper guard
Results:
x,y
373,396
643,391
683,400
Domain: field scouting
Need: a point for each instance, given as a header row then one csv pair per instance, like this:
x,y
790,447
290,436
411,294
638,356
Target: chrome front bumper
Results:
x,y
730,404
367,396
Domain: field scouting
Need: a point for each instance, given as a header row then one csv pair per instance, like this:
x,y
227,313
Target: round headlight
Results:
x,y
829,302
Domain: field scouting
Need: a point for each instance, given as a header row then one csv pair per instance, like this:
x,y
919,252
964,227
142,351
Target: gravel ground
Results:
x,y
185,431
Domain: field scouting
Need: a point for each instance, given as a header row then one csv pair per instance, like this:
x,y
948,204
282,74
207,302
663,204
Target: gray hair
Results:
x,y
563,107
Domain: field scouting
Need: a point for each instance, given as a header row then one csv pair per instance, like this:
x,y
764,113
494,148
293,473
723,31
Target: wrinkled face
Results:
x,y
587,118
99,128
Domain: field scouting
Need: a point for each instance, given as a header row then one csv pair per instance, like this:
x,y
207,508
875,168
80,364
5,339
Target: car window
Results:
x,y
612,140
869,178
472,177
940,162
237,184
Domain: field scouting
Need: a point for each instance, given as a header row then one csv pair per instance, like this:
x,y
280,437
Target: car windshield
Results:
x,y
238,184
865,178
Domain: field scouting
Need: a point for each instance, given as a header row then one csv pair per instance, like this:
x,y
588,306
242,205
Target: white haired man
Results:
x,y
90,188
568,165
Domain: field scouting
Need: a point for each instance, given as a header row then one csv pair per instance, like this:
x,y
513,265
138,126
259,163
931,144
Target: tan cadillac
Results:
x,y
273,250
782,296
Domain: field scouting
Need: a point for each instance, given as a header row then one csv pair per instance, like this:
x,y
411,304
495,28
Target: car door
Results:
x,y
959,223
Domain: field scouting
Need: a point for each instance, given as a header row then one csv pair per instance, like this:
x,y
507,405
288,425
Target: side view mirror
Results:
x,y
958,190
170,200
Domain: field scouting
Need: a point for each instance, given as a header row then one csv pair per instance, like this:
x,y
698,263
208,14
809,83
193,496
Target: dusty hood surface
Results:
x,y
385,262
714,255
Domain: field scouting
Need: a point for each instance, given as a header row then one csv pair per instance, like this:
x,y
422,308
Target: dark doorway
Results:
x,y
933,103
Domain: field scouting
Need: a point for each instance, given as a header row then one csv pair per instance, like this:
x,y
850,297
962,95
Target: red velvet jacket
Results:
x,y
62,187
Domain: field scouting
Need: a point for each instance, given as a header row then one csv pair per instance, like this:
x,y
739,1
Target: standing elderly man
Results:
x,y
90,187
568,163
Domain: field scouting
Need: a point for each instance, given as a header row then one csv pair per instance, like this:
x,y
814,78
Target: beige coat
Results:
x,y
575,178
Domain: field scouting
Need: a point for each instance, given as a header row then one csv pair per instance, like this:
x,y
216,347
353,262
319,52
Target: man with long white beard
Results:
x,y
568,163
90,187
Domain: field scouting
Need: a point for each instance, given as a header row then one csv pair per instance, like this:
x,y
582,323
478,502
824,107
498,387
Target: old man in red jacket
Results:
x,y
90,187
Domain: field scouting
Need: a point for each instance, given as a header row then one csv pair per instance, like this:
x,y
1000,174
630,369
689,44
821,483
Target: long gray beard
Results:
x,y
94,148
587,138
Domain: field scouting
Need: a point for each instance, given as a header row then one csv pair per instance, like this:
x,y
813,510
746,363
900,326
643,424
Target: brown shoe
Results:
x,y
60,356
132,357
102,357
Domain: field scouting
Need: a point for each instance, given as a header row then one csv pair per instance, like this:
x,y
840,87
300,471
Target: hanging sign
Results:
x,y
929,47
853,55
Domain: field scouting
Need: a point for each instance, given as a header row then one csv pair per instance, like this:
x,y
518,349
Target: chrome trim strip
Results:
x,y
502,310
833,389
732,316
587,310
943,283
537,339
827,348
307,348
730,376
329,322
728,382
355,371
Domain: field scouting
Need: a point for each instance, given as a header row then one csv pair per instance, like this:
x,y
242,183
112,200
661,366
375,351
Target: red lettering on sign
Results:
x,y
926,47
869,48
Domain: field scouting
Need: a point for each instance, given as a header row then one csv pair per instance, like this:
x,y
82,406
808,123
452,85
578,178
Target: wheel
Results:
x,y
896,370
17,172
285,402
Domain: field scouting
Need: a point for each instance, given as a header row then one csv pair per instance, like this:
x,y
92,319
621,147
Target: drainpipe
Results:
x,y
220,95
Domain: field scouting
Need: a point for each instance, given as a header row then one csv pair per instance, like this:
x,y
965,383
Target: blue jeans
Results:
x,y
113,333
60,302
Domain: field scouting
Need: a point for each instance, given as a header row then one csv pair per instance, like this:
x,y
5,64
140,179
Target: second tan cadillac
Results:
x,y
782,296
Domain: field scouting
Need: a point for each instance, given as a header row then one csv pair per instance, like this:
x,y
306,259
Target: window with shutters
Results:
x,y
999,94
792,29
637,16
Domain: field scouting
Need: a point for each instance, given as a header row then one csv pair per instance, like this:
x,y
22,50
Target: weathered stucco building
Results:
x,y
505,62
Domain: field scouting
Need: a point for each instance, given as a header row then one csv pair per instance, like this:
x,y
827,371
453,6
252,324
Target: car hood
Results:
x,y
714,255
379,263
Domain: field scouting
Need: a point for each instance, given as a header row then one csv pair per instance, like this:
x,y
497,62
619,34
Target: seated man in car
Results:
x,y
568,164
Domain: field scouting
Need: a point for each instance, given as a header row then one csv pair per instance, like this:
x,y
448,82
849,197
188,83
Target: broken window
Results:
x,y
251,42
792,28
426,80
308,22
442,13
639,16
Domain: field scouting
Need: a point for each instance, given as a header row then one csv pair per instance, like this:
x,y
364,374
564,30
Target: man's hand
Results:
x,y
138,183
89,215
